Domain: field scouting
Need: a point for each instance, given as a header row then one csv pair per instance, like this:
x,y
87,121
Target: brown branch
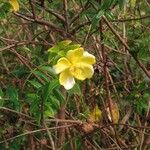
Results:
x,y
3,62
32,8
16,112
62,115
65,3
57,15
132,19
79,13
14,45
35,131
126,46
79,26
50,137
105,69
39,21
20,44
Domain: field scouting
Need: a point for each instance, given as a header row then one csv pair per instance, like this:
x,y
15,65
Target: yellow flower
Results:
x,y
77,64
14,4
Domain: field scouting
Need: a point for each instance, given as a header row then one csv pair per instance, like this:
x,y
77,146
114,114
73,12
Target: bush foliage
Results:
x,y
109,111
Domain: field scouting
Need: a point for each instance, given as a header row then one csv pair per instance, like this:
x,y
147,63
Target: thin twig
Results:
x,y
16,112
65,3
50,137
32,8
132,19
35,131
39,21
79,12
57,15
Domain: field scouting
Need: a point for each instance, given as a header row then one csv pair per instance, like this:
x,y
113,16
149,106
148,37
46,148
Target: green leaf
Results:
x,y
48,88
34,107
97,18
58,95
144,54
72,47
75,90
48,69
61,53
60,46
64,43
141,106
34,101
121,3
99,15
78,142
133,3
60,50
1,93
109,15
20,71
4,8
34,83
1,97
54,49
12,93
51,57
41,74
106,4
55,102
49,112
32,97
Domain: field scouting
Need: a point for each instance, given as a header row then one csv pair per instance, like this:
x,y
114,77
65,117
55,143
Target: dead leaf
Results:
x,y
95,115
115,112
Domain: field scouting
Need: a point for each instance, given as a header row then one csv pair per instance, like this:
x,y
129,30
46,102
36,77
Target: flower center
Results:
x,y
72,69
75,71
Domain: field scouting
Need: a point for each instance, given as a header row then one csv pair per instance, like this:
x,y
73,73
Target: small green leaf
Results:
x,y
133,3
97,18
61,53
12,93
1,92
32,97
55,102
34,107
20,71
1,97
72,47
64,43
48,69
36,84
121,3
58,95
54,49
106,4
4,8
47,91
41,74
75,90
49,112
60,46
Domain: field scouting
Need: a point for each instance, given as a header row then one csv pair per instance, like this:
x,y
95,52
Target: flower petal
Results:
x,y
88,58
14,4
62,64
66,79
82,71
75,55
